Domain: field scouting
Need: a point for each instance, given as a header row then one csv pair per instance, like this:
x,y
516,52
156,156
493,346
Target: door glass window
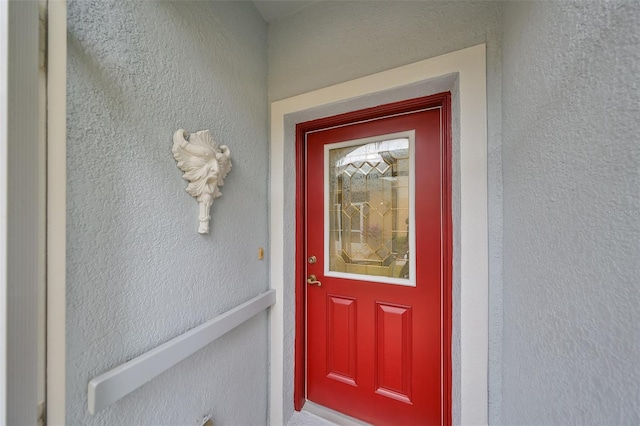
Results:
x,y
368,222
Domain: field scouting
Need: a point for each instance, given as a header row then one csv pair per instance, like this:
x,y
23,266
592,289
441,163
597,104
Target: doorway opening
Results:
x,y
375,341
463,73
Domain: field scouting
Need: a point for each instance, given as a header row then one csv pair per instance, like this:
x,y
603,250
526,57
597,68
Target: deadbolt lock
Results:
x,y
312,260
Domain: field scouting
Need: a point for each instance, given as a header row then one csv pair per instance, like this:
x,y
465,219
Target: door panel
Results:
x,y
394,354
341,339
377,224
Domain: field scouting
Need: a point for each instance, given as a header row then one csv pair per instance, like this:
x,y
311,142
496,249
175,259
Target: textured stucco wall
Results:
x,y
571,213
332,42
138,272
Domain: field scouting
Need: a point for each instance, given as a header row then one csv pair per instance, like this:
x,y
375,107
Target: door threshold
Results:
x,y
331,416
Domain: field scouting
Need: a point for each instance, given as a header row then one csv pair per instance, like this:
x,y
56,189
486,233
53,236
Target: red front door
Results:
x,y
378,265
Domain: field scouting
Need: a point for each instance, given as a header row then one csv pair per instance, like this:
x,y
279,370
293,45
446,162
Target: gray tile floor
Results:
x,y
303,418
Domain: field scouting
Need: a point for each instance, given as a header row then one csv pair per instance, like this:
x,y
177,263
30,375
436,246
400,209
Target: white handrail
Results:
x,y
109,387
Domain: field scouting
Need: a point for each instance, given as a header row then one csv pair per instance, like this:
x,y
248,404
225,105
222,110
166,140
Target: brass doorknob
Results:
x,y
313,281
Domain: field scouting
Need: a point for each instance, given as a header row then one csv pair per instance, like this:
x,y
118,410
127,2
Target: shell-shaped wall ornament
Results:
x,y
205,165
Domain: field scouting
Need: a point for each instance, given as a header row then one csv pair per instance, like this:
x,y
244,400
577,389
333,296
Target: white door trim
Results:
x,y
22,204
56,210
472,233
4,194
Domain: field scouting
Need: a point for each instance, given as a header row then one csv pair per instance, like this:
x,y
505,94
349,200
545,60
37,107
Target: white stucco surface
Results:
x,y
138,273
333,42
562,97
571,213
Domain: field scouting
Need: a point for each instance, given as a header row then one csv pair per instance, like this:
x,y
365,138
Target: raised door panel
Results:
x,y
341,339
393,351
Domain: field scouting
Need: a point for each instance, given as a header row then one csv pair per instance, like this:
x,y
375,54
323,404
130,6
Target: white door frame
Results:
x,y
22,212
4,194
56,210
464,73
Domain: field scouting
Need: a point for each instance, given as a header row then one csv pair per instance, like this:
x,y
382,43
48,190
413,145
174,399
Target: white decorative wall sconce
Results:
x,y
205,165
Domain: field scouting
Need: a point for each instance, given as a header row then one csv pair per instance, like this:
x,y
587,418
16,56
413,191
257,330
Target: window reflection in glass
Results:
x,y
369,208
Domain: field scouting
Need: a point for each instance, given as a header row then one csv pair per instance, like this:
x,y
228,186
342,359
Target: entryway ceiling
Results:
x,y
272,10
